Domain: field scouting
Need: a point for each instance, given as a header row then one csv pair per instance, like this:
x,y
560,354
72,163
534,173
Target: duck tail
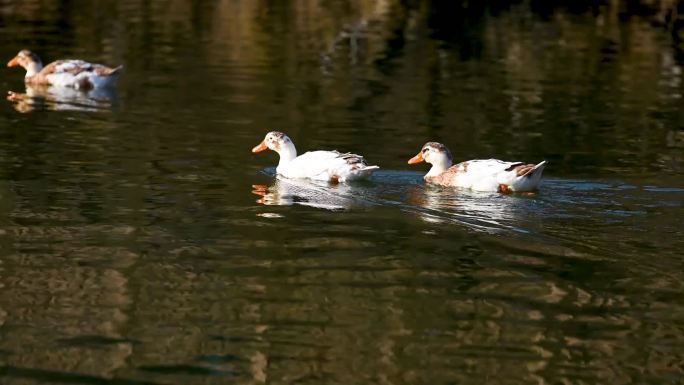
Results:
x,y
368,168
536,170
114,71
363,172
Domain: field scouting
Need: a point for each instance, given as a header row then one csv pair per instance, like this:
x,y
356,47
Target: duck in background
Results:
x,y
72,73
330,166
478,174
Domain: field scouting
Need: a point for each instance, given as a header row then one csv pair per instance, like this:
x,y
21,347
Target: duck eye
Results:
x,y
425,150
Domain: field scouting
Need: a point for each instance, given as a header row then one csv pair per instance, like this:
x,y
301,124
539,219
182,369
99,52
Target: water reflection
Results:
x,y
40,98
479,210
288,192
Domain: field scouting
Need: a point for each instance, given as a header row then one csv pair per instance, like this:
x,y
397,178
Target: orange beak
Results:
x,y
13,62
260,147
416,159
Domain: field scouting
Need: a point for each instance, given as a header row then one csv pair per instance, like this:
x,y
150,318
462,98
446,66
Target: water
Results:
x,y
142,243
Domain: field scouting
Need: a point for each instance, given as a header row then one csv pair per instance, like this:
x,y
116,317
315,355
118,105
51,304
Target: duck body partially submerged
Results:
x,y
478,174
330,166
71,73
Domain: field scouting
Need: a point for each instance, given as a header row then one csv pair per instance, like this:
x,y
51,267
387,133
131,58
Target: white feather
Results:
x,y
75,73
323,165
488,174
316,165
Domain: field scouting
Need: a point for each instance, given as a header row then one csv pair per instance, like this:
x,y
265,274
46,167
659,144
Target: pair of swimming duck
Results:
x,y
334,166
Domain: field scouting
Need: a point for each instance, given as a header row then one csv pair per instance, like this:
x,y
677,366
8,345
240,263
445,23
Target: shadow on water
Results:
x,y
60,377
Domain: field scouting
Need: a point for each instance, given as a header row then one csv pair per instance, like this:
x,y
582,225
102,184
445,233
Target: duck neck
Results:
x,y
439,167
33,68
287,153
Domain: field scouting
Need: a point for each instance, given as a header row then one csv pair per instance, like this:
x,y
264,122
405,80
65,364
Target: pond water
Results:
x,y
141,242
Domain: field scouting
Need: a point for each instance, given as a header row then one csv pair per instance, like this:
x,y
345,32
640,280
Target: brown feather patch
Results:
x,y
462,168
524,169
355,161
106,71
85,84
514,166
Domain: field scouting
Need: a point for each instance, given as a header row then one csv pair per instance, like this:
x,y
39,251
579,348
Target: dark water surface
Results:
x,y
142,243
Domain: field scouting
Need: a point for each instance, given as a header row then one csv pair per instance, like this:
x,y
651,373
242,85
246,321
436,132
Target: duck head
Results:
x,y
437,154
280,143
27,59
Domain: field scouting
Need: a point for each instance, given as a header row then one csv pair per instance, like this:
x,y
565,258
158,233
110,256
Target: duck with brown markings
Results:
x,y
72,73
478,174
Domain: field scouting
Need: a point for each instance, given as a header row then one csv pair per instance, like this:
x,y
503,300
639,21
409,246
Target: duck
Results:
x,y
72,73
330,166
492,175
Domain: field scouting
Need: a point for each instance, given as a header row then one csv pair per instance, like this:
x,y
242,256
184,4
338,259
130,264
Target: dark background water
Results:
x,y
142,243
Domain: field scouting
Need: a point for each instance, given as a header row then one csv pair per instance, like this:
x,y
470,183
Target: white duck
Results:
x,y
479,174
77,74
331,166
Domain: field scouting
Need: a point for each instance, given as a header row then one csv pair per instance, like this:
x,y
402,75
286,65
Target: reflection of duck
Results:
x,y
479,174
330,166
287,192
76,74
440,205
61,99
